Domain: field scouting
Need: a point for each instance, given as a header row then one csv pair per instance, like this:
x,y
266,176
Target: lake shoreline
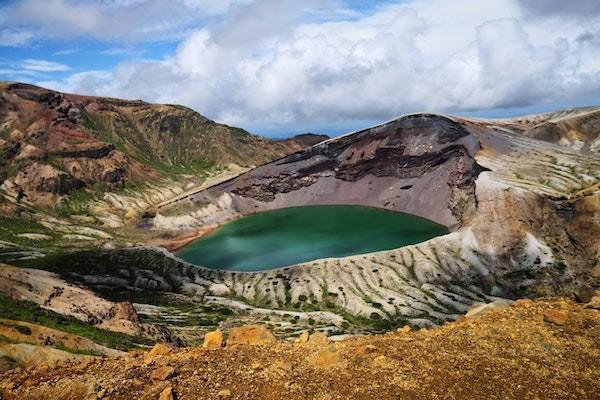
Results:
x,y
288,236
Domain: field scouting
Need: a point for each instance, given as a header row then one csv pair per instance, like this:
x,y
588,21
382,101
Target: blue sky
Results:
x,y
283,67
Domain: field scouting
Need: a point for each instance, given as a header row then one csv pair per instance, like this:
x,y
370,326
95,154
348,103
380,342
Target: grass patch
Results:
x,y
30,312
84,352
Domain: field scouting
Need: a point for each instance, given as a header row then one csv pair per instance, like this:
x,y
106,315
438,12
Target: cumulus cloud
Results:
x,y
129,20
561,8
435,55
15,37
43,66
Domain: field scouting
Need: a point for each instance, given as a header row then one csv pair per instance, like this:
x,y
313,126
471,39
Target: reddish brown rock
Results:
x,y
125,310
163,373
556,317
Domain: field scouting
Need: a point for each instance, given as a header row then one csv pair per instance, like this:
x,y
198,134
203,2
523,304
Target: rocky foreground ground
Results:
x,y
547,349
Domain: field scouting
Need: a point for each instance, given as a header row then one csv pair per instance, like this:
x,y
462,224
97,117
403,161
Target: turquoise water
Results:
x,y
293,235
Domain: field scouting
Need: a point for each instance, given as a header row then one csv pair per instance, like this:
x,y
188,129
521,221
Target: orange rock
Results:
x,y
556,317
213,340
404,329
366,349
594,303
43,368
303,338
328,359
250,334
318,339
522,302
158,350
163,373
167,394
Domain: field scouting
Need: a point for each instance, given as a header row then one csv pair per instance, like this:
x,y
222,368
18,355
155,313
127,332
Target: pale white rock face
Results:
x,y
70,236
34,236
218,289
480,309
174,223
595,146
536,251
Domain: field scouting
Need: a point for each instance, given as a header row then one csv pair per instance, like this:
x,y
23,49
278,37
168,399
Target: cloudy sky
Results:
x,y
280,67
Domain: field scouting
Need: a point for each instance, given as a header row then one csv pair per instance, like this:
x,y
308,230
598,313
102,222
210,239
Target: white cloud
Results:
x,y
434,55
15,38
43,66
110,20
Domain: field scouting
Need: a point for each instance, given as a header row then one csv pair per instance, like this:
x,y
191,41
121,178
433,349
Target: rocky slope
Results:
x,y
521,198
51,292
530,350
577,128
55,143
523,214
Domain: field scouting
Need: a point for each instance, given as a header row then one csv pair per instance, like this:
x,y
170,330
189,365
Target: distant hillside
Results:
x,y
302,141
53,143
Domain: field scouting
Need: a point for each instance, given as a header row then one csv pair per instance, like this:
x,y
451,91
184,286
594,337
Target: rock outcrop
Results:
x,y
250,335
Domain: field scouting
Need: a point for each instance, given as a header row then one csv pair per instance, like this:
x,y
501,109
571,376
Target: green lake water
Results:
x,y
293,235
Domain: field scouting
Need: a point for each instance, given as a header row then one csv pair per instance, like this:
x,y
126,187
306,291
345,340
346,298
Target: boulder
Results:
x,y
303,338
479,309
124,310
157,351
594,302
163,373
326,359
167,394
584,294
250,334
522,302
556,317
318,339
213,340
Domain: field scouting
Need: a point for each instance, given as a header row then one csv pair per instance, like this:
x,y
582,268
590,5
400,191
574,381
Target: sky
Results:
x,y
282,67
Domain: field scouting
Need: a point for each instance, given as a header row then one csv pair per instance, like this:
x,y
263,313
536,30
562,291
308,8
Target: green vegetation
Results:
x,y
122,264
77,202
84,352
25,330
31,312
8,359
188,312
10,228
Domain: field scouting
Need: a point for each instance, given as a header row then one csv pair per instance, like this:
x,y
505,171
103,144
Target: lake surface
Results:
x,y
293,235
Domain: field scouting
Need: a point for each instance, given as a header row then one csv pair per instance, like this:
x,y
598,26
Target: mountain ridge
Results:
x,y
54,143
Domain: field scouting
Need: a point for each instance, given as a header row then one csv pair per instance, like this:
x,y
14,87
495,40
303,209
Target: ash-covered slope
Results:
x,y
576,128
422,164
